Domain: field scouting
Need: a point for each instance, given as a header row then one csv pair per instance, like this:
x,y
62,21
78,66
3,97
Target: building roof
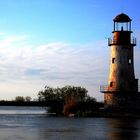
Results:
x,y
122,18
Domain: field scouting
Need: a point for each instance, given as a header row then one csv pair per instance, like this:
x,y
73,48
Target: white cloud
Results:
x,y
25,69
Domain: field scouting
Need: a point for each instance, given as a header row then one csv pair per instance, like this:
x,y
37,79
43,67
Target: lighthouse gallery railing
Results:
x,y
108,89
112,41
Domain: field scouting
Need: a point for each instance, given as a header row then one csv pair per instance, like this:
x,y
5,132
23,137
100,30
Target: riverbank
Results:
x,y
104,114
98,113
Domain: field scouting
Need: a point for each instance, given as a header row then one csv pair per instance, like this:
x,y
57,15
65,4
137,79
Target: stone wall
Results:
x,y
122,101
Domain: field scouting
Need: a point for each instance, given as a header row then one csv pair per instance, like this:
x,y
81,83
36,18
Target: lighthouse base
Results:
x,y
128,102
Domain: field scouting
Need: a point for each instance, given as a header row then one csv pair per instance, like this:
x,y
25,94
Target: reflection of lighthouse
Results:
x,y
122,89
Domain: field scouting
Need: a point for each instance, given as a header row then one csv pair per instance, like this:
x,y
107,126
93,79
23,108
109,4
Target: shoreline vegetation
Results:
x,y
99,112
70,101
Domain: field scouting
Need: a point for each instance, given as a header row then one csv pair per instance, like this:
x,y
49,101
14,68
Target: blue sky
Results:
x,y
59,42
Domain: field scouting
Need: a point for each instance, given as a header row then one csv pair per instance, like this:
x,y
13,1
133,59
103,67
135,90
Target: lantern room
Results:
x,y
122,22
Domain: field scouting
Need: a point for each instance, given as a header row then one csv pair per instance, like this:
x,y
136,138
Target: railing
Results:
x,y
107,89
113,41
112,89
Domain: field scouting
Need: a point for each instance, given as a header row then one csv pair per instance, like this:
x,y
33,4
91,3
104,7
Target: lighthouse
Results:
x,y
121,91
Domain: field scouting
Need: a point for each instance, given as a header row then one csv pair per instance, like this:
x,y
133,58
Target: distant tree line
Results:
x,y
69,100
22,99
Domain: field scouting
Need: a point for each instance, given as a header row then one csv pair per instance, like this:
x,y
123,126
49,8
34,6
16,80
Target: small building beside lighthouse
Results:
x,y
122,89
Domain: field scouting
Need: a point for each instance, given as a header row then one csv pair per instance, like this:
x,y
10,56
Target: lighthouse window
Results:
x,y
111,84
129,61
113,60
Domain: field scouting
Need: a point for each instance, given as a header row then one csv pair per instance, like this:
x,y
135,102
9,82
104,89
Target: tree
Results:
x,y
27,98
72,96
64,99
19,99
46,95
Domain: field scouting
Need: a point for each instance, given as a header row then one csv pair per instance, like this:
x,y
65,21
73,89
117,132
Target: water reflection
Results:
x,y
15,126
123,129
63,129
87,129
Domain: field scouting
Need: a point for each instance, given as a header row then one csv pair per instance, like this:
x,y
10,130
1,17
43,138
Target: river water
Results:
x,y
31,123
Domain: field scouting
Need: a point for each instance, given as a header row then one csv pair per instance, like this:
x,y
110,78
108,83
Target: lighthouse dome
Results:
x,y
122,18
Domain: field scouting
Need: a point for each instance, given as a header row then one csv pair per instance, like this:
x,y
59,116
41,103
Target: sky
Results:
x,y
58,43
